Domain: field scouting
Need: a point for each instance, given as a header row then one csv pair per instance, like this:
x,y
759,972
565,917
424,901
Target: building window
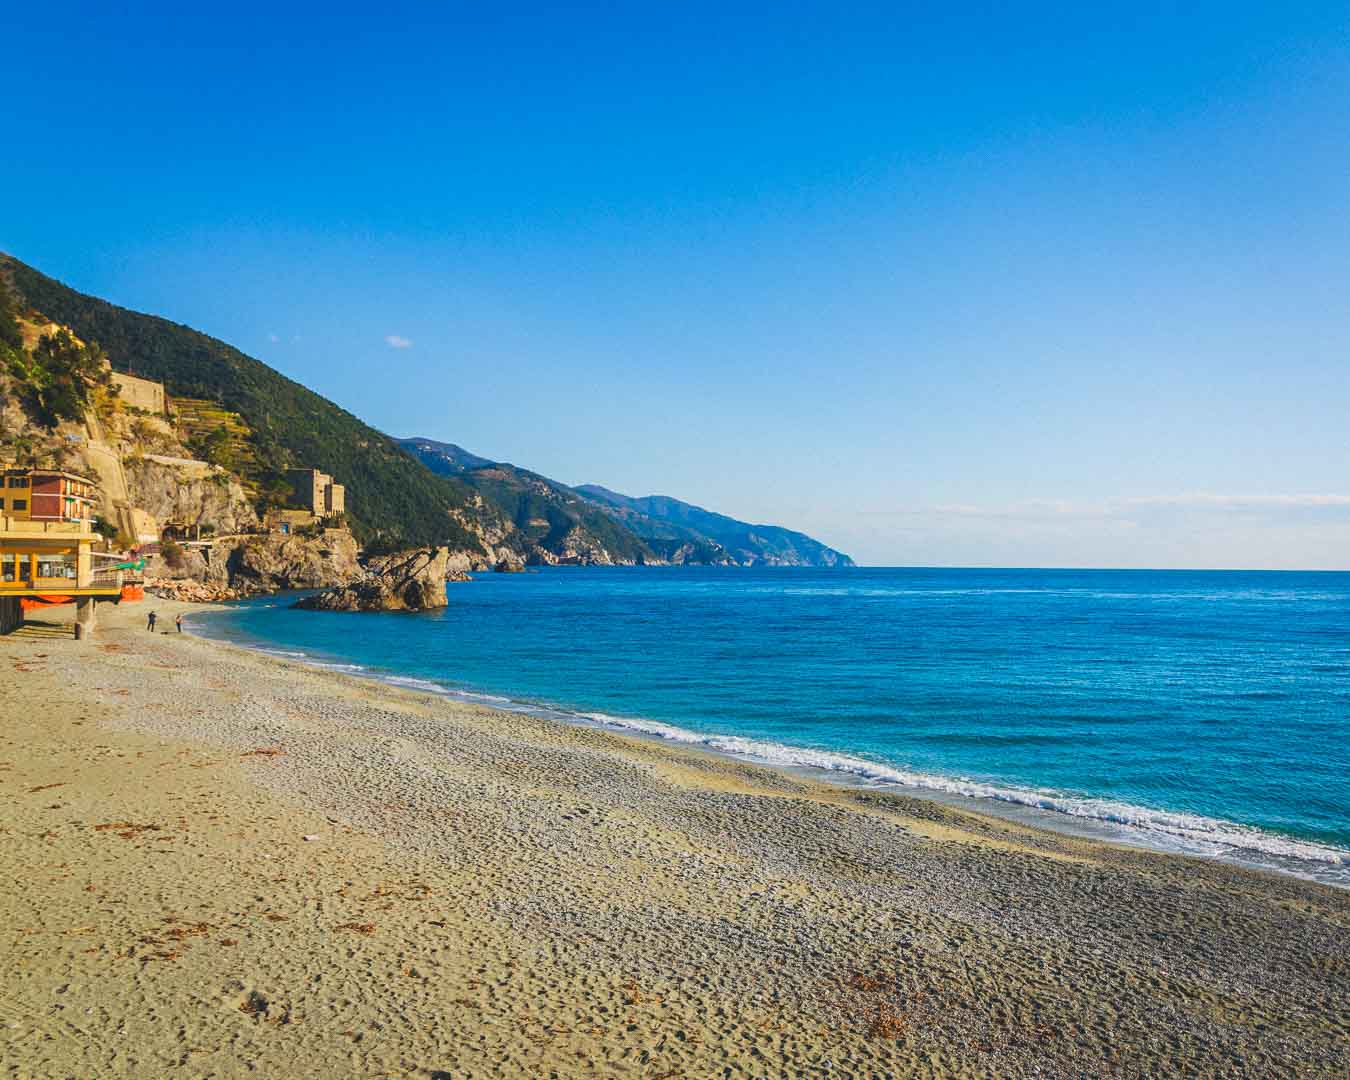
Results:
x,y
56,566
9,568
20,504
2,504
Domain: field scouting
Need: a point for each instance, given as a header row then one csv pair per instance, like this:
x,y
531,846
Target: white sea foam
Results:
x,y
430,687
1191,833
469,695
425,685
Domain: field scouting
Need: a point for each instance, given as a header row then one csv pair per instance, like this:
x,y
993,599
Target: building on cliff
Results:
x,y
141,393
315,491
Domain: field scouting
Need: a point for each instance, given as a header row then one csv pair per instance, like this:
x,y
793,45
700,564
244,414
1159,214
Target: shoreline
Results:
x,y
350,878
1106,820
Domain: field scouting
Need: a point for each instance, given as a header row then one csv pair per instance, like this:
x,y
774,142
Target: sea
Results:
x,y
1205,713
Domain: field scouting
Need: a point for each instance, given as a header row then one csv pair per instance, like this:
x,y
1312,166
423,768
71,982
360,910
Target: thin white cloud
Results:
x,y
1244,502
1125,507
394,341
273,338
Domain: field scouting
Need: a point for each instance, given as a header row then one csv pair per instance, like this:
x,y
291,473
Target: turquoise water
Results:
x,y
1201,712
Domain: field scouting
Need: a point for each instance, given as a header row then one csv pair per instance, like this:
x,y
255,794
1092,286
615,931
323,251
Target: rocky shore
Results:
x,y
188,591
230,864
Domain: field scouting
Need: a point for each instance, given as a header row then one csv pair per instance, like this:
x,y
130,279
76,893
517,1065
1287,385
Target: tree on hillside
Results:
x,y
216,447
11,337
274,492
58,378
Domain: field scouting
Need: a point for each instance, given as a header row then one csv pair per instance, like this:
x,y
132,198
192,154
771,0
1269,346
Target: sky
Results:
x,y
1001,285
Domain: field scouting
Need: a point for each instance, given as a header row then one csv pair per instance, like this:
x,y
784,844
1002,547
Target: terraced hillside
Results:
x,y
218,435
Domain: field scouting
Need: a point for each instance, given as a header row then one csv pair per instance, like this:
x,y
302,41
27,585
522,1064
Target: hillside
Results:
x,y
392,500
659,516
552,523
651,530
444,457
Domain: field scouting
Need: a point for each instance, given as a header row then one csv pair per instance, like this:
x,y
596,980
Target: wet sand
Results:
x,y
229,865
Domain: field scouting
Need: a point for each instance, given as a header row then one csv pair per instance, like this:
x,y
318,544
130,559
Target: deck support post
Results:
x,y
11,614
85,617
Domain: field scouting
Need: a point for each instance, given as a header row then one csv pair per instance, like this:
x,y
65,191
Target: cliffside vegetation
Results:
x,y
58,378
11,337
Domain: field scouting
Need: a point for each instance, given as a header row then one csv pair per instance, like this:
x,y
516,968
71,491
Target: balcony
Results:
x,y
56,529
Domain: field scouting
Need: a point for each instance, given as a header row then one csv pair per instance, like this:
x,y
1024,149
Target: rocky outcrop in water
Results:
x,y
406,581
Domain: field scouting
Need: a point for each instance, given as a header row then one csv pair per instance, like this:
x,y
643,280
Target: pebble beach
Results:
x,y
227,864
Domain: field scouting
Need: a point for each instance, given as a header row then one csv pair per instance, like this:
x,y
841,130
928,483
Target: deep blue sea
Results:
x,y
1203,712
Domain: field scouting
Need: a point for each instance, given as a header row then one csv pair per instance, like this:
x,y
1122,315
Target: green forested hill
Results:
x,y
545,514
391,498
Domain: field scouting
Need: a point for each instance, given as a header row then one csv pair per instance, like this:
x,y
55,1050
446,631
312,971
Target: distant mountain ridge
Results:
x,y
445,458
550,521
654,516
653,529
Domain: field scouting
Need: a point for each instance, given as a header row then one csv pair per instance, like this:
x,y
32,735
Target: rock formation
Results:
x,y
406,581
191,592
193,493
274,562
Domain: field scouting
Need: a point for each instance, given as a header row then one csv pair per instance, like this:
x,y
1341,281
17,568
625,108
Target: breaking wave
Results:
x,y
1175,831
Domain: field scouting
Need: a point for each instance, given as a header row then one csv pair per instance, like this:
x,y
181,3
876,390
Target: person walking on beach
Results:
x,y
178,621
150,622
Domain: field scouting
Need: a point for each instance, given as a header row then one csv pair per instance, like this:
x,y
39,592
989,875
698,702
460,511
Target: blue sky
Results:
x,y
1004,285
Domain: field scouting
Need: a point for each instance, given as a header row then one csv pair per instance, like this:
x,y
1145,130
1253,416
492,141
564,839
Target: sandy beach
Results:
x,y
224,864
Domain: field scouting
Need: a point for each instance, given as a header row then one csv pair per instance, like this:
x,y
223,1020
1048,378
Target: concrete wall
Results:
x,y
142,393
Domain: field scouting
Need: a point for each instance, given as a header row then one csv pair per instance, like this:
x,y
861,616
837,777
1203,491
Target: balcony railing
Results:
x,y
15,525
100,579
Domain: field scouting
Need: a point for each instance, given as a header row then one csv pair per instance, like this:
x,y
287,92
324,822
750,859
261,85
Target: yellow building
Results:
x,y
46,550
